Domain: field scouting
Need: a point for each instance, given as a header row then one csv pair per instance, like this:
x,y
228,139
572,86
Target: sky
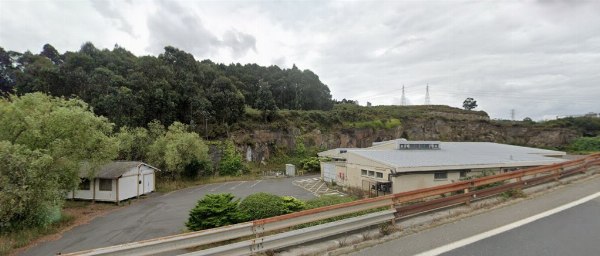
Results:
x,y
539,58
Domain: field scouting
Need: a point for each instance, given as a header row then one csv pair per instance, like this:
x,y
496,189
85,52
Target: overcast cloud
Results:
x,y
541,58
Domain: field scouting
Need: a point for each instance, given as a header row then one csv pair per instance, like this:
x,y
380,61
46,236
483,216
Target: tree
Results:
x,y
226,100
66,130
30,195
231,162
177,150
469,104
51,53
133,143
265,101
44,144
214,210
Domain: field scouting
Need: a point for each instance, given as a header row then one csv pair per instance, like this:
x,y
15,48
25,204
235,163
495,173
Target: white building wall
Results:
x,y
128,187
110,196
414,181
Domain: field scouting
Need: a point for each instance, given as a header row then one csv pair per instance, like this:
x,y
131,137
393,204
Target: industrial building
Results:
x,y
115,182
399,165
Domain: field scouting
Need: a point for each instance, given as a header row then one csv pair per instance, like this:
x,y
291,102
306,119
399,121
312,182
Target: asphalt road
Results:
x,y
574,231
158,216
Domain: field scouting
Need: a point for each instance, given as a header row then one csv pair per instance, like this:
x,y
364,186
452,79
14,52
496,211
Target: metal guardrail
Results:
x,y
298,236
401,205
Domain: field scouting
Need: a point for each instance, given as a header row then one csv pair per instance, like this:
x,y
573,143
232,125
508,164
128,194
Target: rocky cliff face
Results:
x,y
261,144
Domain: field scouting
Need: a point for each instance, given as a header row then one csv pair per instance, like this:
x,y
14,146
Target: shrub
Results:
x,y
326,201
292,204
585,144
214,210
311,164
262,205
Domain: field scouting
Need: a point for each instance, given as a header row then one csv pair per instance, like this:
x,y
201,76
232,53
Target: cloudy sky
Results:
x,y
540,58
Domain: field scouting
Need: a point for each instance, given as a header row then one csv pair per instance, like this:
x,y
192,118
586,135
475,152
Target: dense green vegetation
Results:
x,y
216,210
133,91
44,143
585,145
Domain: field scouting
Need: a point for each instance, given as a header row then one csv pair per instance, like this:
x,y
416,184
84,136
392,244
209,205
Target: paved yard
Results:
x,y
158,216
316,186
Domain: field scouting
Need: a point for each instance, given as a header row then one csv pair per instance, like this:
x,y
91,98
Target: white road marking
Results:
x,y
195,190
320,187
493,232
215,188
314,185
242,182
255,183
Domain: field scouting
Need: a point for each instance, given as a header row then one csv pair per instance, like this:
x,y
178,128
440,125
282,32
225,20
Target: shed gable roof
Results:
x,y
114,169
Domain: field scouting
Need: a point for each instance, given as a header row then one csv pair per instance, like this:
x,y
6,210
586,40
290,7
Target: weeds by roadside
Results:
x,y
73,213
14,240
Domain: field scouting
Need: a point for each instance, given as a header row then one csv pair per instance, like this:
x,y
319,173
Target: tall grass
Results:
x,y
16,239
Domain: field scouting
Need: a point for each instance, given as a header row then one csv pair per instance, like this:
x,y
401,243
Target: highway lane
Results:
x,y
159,215
575,231
572,234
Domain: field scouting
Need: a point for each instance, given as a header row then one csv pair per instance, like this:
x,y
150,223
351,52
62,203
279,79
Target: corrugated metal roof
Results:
x,y
113,170
462,154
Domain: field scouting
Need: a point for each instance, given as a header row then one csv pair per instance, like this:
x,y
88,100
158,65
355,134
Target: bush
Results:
x,y
326,201
262,205
292,204
311,164
585,144
214,210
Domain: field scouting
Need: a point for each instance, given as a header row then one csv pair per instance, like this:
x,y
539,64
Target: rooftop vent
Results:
x,y
418,145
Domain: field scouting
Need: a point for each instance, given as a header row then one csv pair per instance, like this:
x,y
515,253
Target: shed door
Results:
x,y
329,174
148,183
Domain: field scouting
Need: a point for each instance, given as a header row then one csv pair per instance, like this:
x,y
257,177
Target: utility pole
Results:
x,y
512,114
427,99
403,99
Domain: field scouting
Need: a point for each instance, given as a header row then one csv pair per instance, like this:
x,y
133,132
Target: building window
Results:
x,y
84,184
440,176
371,173
380,175
463,174
105,185
363,172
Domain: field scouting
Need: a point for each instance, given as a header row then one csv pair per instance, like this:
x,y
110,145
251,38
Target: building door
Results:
x,y
329,174
148,183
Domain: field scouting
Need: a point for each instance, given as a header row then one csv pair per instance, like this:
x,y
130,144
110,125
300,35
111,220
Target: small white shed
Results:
x,y
116,181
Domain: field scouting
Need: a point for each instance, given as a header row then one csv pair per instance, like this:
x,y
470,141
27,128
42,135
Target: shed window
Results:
x,y
379,175
105,185
440,176
363,172
84,184
371,173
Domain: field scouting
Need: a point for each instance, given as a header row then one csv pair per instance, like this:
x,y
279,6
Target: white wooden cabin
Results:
x,y
116,181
